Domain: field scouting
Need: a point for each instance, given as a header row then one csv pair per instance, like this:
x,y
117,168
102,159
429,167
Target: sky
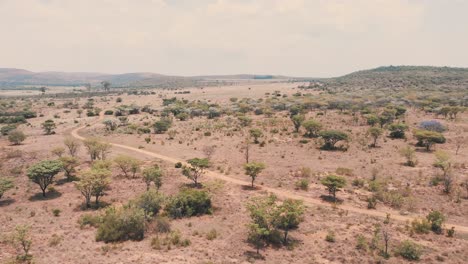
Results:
x,y
313,38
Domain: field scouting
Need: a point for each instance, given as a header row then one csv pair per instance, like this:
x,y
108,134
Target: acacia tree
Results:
x,y
297,121
312,127
252,169
443,162
428,138
69,164
43,173
48,126
73,145
331,137
5,185
127,165
106,85
256,133
333,183
196,169
93,182
375,133
288,216
153,174
97,150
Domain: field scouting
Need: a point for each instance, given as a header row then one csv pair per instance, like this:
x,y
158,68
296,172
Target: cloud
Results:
x,y
298,37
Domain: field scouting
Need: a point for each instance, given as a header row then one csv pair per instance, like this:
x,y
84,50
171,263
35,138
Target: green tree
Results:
x,y
244,121
252,169
297,121
16,137
375,133
312,127
69,164
258,236
5,185
333,183
189,202
372,119
48,126
43,173
127,165
93,182
256,133
288,216
97,149
332,137
196,169
24,241
106,85
153,174
428,138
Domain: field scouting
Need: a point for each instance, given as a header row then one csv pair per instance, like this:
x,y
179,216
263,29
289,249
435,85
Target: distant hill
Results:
x,y
10,77
398,77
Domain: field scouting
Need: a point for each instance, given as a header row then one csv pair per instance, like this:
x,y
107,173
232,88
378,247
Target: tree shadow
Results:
x,y
6,202
82,206
253,255
49,196
66,180
329,198
250,188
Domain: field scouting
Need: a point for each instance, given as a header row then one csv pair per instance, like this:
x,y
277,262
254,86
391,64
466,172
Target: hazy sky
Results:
x,y
316,38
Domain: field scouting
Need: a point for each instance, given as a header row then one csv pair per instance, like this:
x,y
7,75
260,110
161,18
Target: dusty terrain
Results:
x,y
285,157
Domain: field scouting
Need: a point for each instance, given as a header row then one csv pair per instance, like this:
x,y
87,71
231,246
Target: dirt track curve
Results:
x,y
279,193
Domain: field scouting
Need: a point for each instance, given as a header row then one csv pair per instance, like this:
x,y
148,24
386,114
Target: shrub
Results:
x,y
5,185
150,202
120,224
178,165
89,219
162,126
189,203
398,130
5,130
16,137
56,212
212,234
421,226
302,184
409,250
330,237
410,154
162,224
436,219
108,112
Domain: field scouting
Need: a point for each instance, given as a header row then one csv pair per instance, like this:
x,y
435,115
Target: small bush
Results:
x,y
56,212
213,234
120,224
89,219
420,226
178,165
409,250
162,224
189,203
330,237
302,184
108,112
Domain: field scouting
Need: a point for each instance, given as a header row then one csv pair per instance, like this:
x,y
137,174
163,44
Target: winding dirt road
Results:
x,y
279,193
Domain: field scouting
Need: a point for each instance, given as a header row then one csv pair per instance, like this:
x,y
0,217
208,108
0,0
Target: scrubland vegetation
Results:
x,y
370,167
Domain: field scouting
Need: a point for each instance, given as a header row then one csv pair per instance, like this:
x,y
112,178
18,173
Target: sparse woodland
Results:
x,y
371,167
